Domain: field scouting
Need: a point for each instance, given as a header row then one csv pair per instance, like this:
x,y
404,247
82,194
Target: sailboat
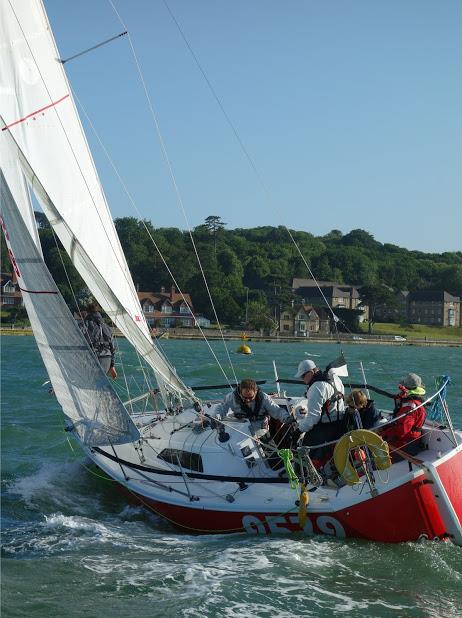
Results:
x,y
201,472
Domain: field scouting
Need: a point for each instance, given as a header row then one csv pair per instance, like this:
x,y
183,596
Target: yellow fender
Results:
x,y
355,439
304,499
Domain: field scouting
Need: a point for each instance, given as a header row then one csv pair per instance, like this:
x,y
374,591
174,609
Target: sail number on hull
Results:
x,y
277,524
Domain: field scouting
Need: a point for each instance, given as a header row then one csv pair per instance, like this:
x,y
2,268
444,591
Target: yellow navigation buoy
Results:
x,y
244,349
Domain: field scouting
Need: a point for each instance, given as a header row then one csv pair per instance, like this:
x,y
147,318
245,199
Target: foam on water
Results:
x,y
59,482
62,524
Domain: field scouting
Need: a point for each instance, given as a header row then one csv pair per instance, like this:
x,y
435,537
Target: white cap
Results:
x,y
305,366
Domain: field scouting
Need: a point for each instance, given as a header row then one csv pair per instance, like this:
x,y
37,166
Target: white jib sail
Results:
x,y
79,383
40,115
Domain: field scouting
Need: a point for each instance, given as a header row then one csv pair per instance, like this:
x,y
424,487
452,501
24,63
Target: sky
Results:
x,y
315,115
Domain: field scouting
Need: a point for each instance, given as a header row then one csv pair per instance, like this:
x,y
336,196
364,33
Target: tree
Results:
x,y
259,317
333,235
376,296
4,258
214,224
349,319
18,313
41,220
84,297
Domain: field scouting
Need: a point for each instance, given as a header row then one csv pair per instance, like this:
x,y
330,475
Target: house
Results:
x,y
10,294
301,320
167,309
397,313
336,294
434,307
202,321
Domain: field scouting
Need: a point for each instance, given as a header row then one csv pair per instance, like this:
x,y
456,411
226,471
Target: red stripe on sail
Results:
x,y
42,109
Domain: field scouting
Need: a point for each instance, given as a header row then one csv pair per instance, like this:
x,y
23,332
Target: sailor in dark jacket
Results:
x,y
99,336
249,402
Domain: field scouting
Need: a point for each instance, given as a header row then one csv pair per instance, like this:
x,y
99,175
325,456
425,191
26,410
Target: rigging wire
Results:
x,y
122,265
71,287
175,184
250,161
71,148
136,209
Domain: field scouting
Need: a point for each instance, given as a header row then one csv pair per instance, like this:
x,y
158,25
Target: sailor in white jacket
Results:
x,y
324,404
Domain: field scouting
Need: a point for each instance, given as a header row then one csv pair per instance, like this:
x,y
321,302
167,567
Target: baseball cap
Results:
x,y
305,366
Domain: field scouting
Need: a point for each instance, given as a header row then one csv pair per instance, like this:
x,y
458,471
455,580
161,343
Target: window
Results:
x,y
286,327
148,308
8,300
191,461
167,308
285,316
184,309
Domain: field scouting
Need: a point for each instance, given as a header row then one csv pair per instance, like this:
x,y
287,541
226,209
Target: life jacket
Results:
x,y
322,376
409,427
369,416
247,412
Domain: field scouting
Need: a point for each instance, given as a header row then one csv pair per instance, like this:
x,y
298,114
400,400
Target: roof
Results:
x,y
5,277
159,298
321,312
433,295
331,290
311,283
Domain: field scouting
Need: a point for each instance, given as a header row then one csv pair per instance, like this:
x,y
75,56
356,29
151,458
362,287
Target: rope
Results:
x,y
287,456
436,412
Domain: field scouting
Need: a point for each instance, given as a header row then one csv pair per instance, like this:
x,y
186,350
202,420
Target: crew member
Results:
x,y
406,432
99,336
249,402
368,413
323,421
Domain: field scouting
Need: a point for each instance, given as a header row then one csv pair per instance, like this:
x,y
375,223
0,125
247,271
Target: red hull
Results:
x,y
406,513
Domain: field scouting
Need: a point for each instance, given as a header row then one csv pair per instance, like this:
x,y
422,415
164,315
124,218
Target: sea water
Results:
x,y
72,546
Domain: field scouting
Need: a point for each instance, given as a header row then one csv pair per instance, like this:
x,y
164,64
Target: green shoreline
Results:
x,y
271,339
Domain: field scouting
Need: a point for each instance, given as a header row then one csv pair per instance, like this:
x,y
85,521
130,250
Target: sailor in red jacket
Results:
x,y
407,430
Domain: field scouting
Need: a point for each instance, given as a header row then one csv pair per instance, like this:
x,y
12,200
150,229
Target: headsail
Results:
x,y
42,123
79,383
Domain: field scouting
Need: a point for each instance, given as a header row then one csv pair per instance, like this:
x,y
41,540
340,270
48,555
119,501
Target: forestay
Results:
x,y
79,383
39,115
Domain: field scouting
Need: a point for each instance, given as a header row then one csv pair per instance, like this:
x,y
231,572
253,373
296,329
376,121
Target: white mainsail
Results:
x,y
44,134
79,383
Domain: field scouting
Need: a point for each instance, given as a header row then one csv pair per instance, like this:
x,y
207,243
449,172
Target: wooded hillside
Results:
x,y
261,262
